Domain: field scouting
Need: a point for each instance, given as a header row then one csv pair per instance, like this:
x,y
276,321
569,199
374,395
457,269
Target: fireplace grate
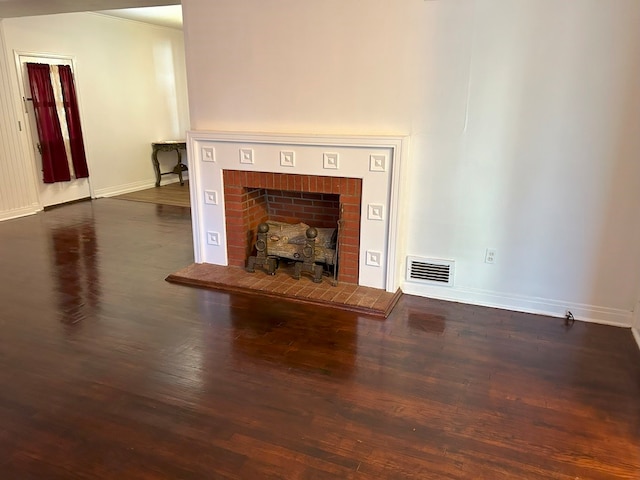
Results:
x,y
430,270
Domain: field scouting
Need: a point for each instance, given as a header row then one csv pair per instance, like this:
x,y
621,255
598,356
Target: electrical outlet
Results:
x,y
490,255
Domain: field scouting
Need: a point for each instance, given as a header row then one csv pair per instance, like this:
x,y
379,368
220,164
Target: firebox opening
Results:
x,y
314,200
319,210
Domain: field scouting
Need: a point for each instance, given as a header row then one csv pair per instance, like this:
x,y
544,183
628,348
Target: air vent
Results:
x,y
430,270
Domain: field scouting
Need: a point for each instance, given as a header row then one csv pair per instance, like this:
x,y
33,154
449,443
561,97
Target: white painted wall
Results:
x,y
131,84
523,115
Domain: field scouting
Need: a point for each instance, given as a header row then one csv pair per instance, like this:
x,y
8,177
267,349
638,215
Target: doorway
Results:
x,y
50,194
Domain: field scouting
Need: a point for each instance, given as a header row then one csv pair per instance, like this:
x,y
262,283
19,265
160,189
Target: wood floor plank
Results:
x,y
168,194
108,371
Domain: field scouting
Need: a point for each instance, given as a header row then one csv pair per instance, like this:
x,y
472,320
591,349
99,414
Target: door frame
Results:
x,y
28,138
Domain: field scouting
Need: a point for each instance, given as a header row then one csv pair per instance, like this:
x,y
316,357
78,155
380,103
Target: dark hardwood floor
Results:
x,y
109,372
168,194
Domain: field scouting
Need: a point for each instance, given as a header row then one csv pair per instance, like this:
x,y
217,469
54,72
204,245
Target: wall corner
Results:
x,y
635,323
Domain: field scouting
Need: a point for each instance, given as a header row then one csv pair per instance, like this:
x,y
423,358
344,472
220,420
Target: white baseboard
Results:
x,y
635,329
541,306
19,212
122,189
132,187
636,335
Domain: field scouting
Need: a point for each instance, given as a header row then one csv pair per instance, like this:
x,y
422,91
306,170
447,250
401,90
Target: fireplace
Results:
x,y
240,180
319,201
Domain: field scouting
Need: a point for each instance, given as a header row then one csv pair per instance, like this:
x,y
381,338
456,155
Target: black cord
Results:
x,y
569,320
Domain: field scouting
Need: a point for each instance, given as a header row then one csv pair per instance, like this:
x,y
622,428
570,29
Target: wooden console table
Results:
x,y
169,146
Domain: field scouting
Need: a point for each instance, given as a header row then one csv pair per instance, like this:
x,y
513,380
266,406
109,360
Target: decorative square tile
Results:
x,y
378,163
330,160
213,238
210,197
373,258
375,211
246,155
288,159
208,154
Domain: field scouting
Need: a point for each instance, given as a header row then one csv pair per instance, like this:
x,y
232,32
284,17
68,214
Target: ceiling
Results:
x,y
166,16
167,13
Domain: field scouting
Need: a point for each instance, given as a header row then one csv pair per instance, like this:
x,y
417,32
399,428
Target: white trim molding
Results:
x,y
132,187
19,212
212,152
122,189
635,329
523,303
636,335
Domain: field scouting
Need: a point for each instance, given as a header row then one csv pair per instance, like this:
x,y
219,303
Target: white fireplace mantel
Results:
x,y
376,160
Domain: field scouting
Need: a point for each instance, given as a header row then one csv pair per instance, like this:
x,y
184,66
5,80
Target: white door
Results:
x,y
50,193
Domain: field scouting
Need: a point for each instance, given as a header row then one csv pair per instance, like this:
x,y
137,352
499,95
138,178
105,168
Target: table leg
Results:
x,y
179,166
156,166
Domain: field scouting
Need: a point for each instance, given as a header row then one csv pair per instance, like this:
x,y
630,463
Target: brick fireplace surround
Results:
x,y
251,198
238,180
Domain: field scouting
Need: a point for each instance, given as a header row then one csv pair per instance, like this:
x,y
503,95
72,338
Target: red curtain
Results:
x,y
73,122
54,158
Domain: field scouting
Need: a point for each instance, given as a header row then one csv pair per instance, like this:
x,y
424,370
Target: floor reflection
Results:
x,y
75,267
307,344
426,322
170,210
